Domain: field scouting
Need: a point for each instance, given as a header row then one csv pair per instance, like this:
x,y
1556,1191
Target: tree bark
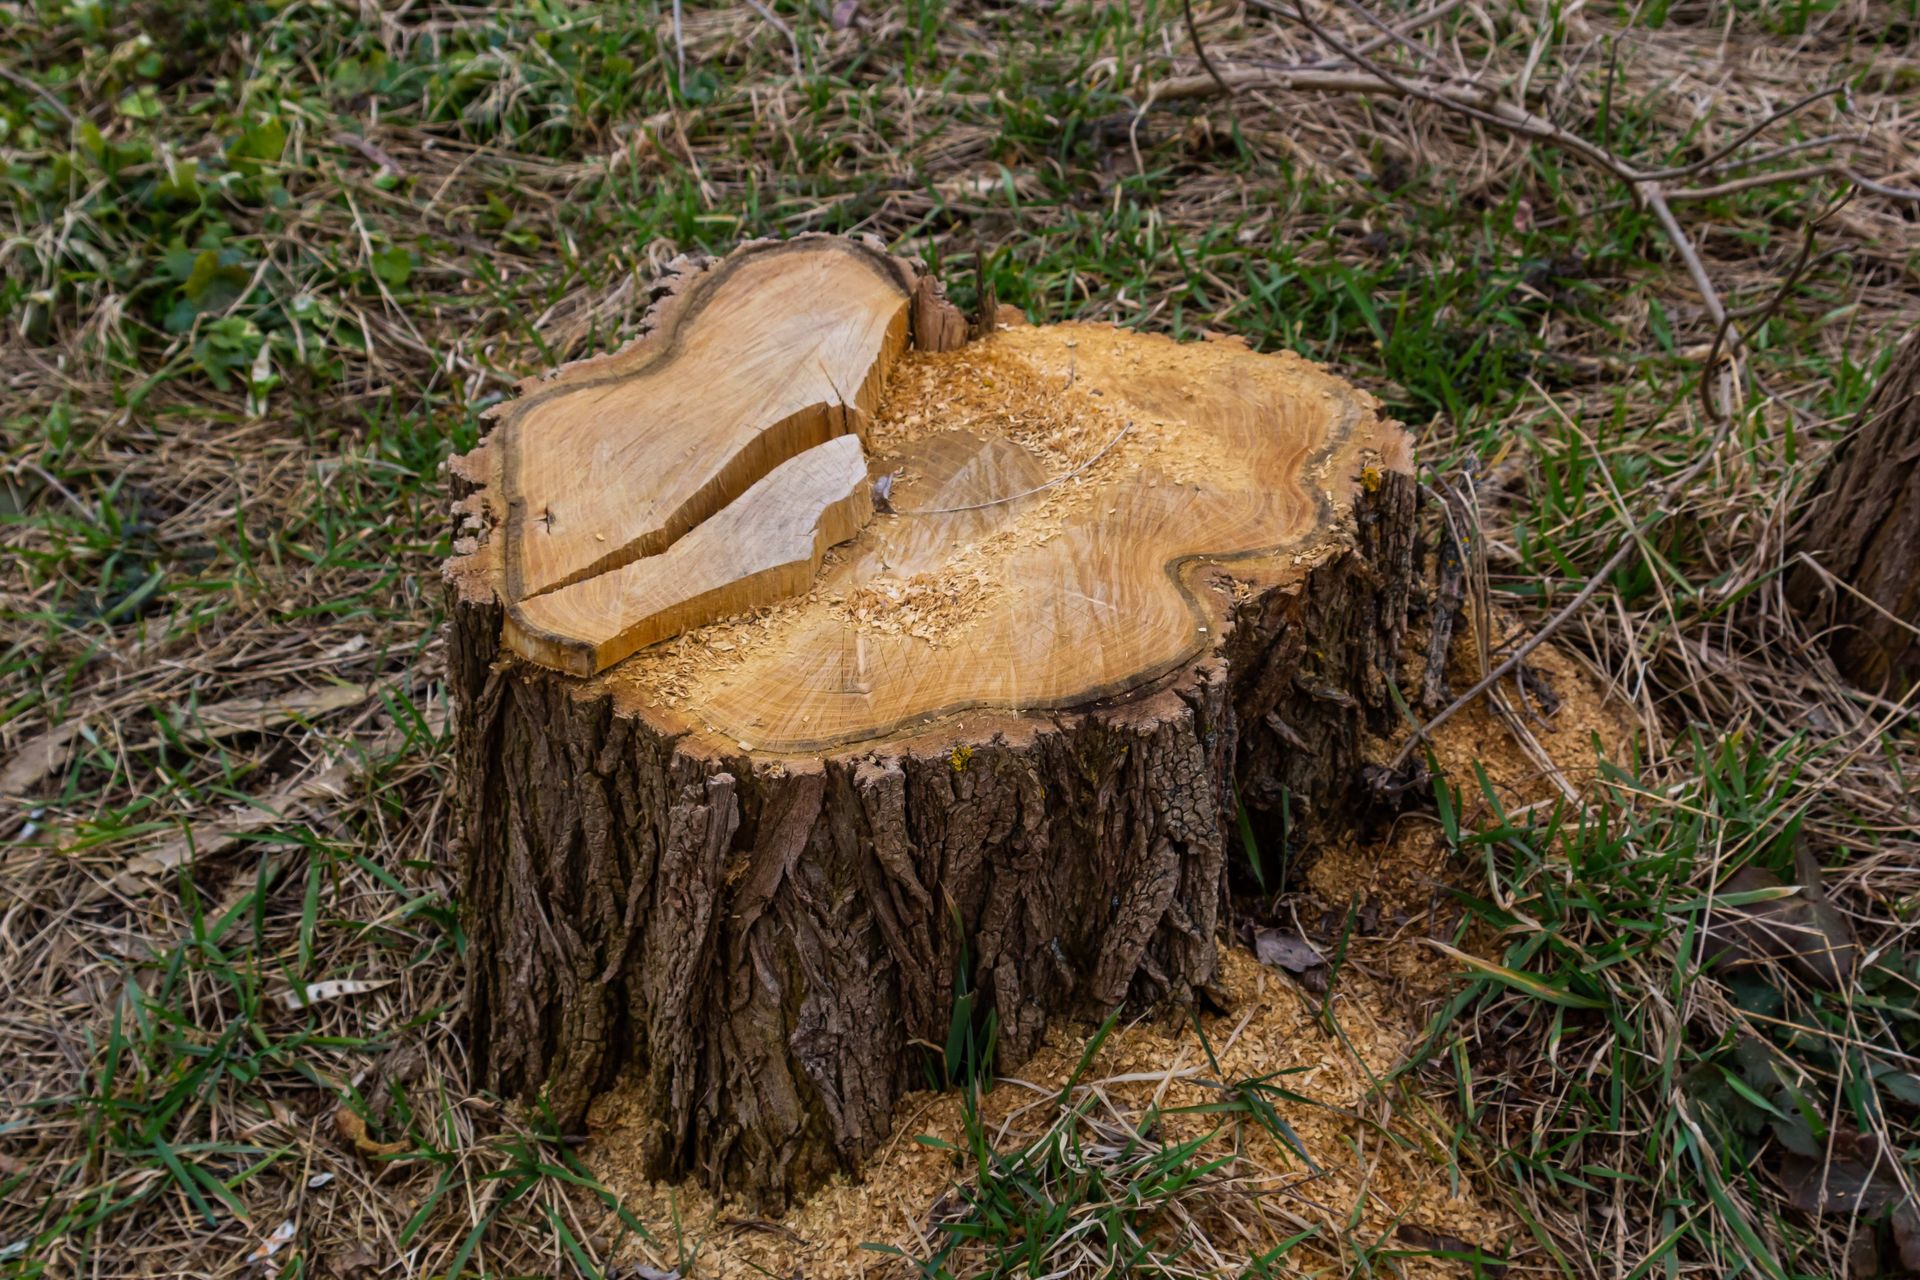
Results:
x,y
1862,527
767,941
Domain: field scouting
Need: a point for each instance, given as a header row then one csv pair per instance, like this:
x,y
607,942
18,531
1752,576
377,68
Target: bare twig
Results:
x,y
34,87
1533,642
1656,200
1200,49
679,50
793,41
1747,135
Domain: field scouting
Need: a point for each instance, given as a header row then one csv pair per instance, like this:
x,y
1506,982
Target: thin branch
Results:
x,y
679,50
1662,509
1878,188
1748,183
1747,135
34,86
1387,34
1533,642
1425,18
1200,49
1656,200
793,41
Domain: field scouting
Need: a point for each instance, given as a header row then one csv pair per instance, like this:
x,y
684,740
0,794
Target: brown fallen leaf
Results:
x,y
1441,1242
1906,1235
1863,1251
1794,925
394,1072
329,781
1858,1175
215,720
354,1262
763,1225
1286,949
206,839
353,1129
38,757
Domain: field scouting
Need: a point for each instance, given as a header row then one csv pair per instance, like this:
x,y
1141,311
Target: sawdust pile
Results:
x,y
1380,1177
1268,1195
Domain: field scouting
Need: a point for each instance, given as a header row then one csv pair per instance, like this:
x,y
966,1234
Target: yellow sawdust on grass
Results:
x,y
1270,1195
1481,734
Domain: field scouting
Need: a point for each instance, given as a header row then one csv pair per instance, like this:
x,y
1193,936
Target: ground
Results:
x,y
264,265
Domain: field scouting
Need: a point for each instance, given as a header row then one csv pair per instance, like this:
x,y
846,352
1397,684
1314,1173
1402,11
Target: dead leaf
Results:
x,y
313,993
39,757
1286,949
354,1129
1906,1236
1441,1242
395,1071
356,1261
1857,1175
207,839
1794,925
1855,1182
45,753
763,1225
845,14
276,1240
1863,1251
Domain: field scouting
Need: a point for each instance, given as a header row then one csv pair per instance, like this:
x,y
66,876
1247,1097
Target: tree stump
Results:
x,y
1862,526
812,662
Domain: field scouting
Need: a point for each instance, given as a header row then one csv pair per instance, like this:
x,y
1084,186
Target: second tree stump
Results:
x,y
810,662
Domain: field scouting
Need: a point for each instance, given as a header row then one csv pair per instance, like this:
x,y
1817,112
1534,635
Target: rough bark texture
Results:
x,y
1863,527
761,945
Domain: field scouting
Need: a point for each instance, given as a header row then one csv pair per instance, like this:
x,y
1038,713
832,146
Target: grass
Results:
x,y
265,264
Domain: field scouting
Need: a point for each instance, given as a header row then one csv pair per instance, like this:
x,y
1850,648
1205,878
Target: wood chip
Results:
x,y
352,1127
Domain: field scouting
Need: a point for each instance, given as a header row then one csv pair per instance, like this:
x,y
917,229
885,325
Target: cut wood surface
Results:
x,y
762,547
1057,496
937,662
616,458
